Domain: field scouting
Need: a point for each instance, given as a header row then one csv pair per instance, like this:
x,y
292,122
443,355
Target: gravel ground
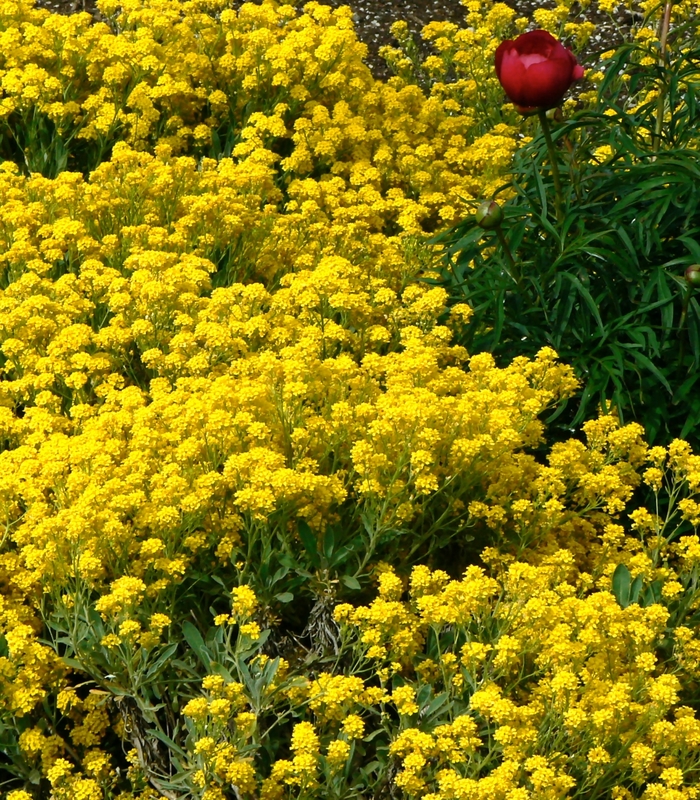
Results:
x,y
373,19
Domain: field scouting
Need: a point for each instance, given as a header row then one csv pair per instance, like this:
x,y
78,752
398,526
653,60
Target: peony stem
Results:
x,y
681,325
663,38
558,197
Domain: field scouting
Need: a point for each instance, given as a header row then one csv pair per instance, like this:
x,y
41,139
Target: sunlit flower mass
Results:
x,y
236,424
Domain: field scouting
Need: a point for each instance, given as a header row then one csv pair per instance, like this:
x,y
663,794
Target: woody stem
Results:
x,y
558,197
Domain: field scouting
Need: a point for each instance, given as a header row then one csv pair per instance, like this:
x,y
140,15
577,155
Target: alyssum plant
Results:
x,y
594,252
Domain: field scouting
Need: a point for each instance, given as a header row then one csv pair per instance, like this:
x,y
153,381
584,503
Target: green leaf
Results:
x,y
220,669
465,241
329,542
286,560
279,574
666,294
693,326
542,193
161,660
693,421
586,295
684,390
649,365
285,597
436,704
652,594
184,666
168,741
308,539
691,242
622,233
635,589
351,582
343,553
423,694
621,583
194,638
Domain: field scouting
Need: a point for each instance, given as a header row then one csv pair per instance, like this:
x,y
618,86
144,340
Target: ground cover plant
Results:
x,y
270,530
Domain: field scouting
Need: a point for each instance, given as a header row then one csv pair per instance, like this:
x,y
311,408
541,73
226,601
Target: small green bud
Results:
x,y
692,275
489,215
555,115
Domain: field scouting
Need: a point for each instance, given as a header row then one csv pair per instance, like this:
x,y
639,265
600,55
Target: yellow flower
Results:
x,y
353,726
404,698
337,753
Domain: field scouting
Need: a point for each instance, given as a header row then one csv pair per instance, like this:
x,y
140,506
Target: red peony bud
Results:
x,y
489,215
692,275
536,70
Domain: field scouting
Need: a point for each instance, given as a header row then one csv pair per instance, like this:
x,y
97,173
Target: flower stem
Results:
x,y
663,38
514,271
558,197
681,325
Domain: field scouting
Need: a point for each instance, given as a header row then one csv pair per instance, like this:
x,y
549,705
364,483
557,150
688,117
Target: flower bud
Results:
x,y
536,70
489,215
692,275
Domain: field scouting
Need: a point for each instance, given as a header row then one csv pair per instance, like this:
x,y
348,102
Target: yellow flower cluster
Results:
x,y
219,756
283,89
187,360
569,684
211,335
146,388
527,677
223,724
